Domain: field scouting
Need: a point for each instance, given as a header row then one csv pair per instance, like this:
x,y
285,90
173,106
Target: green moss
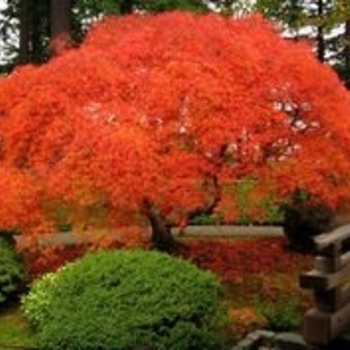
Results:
x,y
14,328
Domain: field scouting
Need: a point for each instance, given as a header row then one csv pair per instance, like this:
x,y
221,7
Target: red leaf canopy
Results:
x,y
171,110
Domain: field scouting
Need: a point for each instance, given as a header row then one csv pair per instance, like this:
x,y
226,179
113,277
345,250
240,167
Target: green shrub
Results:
x,y
36,304
280,316
125,300
11,271
205,219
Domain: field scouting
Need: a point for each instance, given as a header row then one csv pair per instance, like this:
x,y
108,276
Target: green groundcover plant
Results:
x,y
125,300
281,315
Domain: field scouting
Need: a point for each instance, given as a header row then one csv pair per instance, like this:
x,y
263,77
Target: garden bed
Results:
x,y
260,278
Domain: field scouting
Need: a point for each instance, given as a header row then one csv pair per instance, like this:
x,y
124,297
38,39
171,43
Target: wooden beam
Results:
x,y
328,264
317,280
333,237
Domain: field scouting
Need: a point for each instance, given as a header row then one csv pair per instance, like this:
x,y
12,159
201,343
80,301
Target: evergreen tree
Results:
x,y
326,23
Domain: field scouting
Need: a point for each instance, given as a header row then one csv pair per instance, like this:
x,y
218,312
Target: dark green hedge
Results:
x,y
11,270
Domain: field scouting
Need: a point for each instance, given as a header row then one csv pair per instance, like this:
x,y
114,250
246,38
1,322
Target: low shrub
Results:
x,y
36,304
40,260
205,219
246,319
125,300
11,271
280,316
233,260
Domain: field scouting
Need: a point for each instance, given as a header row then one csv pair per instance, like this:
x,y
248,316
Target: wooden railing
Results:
x,y
325,326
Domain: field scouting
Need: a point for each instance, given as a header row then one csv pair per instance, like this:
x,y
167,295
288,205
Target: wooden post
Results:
x,y
325,326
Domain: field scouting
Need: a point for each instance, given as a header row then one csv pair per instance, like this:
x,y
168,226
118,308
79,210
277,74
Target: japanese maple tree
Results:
x,y
154,118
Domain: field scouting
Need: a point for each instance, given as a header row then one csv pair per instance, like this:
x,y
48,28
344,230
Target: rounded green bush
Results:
x,y
36,305
126,300
11,271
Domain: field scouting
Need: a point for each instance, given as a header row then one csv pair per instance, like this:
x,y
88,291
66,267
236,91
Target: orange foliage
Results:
x,y
246,320
233,260
40,260
172,109
52,253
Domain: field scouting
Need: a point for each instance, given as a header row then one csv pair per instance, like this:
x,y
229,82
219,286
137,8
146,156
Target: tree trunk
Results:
x,y
209,207
24,35
40,18
347,49
60,25
321,48
161,236
126,7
